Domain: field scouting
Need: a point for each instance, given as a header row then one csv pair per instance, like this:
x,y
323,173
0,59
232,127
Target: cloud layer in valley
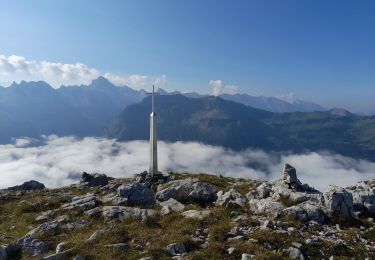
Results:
x,y
58,161
17,68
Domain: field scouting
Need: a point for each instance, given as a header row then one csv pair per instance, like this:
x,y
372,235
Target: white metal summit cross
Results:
x,y
153,139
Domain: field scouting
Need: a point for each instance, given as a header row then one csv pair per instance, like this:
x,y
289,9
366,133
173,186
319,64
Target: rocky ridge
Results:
x,y
188,216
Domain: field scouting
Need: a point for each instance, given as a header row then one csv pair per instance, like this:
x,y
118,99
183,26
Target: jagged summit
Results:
x,y
101,82
31,84
188,216
340,112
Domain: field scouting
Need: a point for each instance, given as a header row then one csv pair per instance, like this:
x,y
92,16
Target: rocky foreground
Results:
x,y
187,216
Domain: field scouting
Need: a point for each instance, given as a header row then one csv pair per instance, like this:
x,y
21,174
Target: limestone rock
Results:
x,y
45,215
73,226
202,192
10,251
187,190
3,253
306,211
364,201
84,202
266,206
294,253
176,249
171,205
230,198
29,185
231,250
57,256
339,202
120,212
92,180
196,214
49,228
97,234
312,242
60,247
137,194
267,224
245,256
264,190
292,182
156,179
298,193
290,175
32,246
363,196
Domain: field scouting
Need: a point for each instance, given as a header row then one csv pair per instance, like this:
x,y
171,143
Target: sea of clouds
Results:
x,y
59,161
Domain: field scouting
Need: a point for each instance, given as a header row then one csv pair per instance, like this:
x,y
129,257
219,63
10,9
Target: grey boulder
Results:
x,y
188,190
29,185
230,198
3,253
290,175
339,203
363,196
84,202
49,228
93,180
170,206
294,253
264,190
32,245
73,226
306,211
176,249
120,212
96,235
266,206
245,256
57,256
196,213
136,194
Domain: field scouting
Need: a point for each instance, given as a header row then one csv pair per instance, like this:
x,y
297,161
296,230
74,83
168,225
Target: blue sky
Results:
x,y
322,51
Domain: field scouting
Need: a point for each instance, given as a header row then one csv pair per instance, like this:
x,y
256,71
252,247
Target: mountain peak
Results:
x,y
162,91
101,82
34,84
339,112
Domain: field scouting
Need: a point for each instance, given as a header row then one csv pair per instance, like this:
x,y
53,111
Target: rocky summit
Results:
x,y
187,216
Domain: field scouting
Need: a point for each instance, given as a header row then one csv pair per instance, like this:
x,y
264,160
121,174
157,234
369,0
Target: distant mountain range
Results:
x,y
213,120
35,108
271,104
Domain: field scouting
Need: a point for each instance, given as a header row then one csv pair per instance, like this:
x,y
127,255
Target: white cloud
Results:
x,y
116,79
13,63
140,81
289,97
137,81
67,74
161,81
17,68
58,161
219,87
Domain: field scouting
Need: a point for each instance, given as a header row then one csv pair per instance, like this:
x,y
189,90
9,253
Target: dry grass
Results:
x,y
150,237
